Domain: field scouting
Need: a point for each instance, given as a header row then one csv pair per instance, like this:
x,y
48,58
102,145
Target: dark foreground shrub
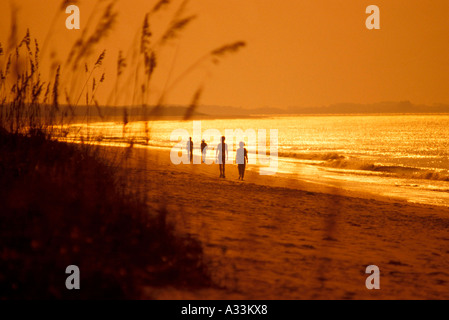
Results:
x,y
59,206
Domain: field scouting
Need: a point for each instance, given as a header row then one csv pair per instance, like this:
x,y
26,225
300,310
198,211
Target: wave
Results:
x,y
312,156
338,161
389,170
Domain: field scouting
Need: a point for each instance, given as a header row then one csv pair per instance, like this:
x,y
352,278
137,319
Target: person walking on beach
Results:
x,y
203,150
222,156
241,158
190,148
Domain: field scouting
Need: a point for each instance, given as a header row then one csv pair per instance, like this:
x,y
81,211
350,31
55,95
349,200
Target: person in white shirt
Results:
x,y
241,158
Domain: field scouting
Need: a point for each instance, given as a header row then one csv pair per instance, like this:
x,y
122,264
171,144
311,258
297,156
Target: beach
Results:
x,y
345,129
280,238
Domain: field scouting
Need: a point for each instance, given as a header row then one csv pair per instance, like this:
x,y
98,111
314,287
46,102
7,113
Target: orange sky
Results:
x,y
299,53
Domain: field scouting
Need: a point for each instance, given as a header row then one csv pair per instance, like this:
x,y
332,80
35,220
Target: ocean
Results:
x,y
397,156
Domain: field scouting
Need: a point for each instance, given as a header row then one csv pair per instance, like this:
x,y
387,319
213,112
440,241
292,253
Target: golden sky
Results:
x,y
299,52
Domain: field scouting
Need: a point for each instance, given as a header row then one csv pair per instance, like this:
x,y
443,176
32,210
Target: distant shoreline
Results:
x,y
137,118
207,112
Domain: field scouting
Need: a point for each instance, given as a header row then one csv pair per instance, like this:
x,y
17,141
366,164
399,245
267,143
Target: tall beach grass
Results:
x,y
65,204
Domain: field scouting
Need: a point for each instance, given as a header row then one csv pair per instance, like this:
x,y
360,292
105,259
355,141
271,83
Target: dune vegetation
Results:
x,y
73,203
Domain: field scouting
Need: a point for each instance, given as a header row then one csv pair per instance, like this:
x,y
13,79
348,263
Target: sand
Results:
x,y
272,238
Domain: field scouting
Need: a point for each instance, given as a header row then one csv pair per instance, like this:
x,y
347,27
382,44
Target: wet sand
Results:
x,y
270,238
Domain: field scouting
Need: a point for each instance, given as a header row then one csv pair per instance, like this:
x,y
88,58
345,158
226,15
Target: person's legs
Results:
x,y
224,163
243,170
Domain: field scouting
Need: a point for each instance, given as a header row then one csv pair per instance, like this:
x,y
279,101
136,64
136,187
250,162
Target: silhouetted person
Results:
x,y
241,158
190,148
203,150
222,156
